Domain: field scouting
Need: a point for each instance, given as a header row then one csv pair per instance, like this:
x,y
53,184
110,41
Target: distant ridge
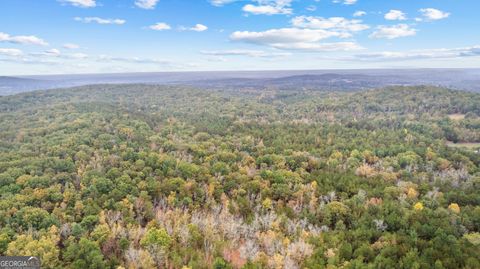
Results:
x,y
12,85
348,80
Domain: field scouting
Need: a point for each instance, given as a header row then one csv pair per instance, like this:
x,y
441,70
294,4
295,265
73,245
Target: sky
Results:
x,y
111,36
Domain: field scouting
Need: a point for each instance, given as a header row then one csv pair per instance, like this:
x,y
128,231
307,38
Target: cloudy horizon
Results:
x,y
105,36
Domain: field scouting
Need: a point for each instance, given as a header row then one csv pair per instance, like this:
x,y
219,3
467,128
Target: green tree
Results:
x,y
84,254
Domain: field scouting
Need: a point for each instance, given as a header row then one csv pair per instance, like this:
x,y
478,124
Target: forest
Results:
x,y
149,176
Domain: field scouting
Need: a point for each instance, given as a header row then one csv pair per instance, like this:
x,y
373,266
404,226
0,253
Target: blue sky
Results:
x,y
104,36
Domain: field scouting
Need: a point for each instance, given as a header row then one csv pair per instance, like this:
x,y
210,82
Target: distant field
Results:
x,y
456,116
463,145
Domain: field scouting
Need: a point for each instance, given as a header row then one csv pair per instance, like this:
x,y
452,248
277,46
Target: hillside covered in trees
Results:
x,y
143,176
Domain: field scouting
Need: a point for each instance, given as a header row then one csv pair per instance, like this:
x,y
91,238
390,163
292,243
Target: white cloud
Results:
x,y
48,57
346,2
55,57
262,7
319,47
160,26
219,3
71,46
395,15
52,52
21,39
443,53
197,28
11,52
250,53
432,14
55,53
146,4
295,39
283,35
333,23
100,20
266,10
394,31
359,13
81,3
311,8
269,7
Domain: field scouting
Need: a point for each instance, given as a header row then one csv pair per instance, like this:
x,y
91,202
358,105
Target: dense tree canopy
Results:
x,y
141,176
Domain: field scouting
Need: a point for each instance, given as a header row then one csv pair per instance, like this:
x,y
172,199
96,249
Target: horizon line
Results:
x,y
246,70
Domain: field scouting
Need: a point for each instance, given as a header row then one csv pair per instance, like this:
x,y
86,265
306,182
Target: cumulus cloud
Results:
x,y
80,3
266,10
146,4
197,28
100,20
11,52
22,39
345,2
359,13
160,26
219,3
395,15
261,7
432,14
269,7
295,39
283,35
333,23
394,31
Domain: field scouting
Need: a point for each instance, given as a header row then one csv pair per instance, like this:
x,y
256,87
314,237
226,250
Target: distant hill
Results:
x,y
10,85
347,81
344,80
